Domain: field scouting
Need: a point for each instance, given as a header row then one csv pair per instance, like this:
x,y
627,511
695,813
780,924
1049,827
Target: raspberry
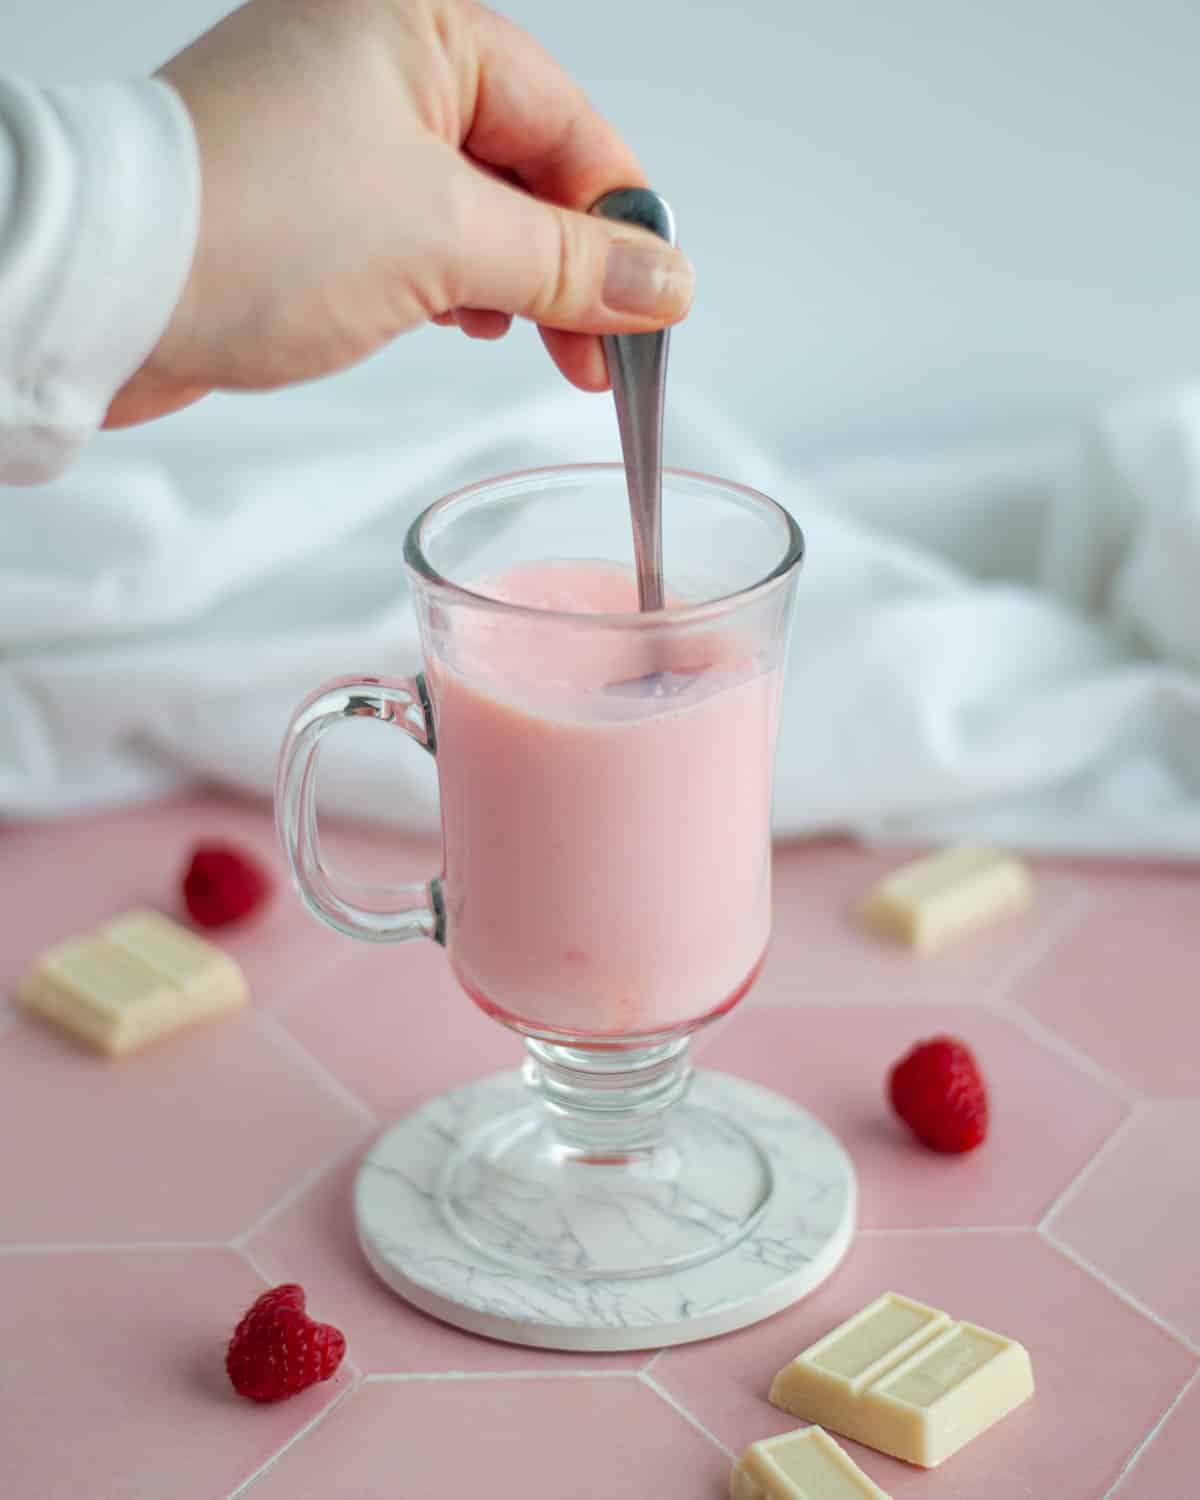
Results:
x,y
939,1093
223,885
277,1350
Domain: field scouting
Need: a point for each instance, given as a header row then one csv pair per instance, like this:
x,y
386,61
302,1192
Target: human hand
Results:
x,y
370,165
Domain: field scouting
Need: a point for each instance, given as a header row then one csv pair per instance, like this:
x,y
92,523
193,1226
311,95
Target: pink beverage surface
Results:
x,y
607,847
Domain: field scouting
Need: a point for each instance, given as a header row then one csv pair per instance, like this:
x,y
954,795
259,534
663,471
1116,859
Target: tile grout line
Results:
x,y
1072,913
1038,1031
1118,1291
275,1031
1150,1436
307,1180
401,1377
652,1361
262,1469
664,1395
864,1000
101,1247
916,1231
252,1261
1085,1173
858,1000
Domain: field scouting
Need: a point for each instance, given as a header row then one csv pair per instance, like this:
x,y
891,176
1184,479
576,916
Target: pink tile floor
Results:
x,y
144,1203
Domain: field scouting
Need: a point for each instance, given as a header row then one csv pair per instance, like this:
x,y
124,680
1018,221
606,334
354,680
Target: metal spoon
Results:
x,y
637,366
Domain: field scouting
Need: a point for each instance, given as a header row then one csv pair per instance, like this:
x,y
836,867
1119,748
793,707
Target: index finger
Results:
x,y
527,115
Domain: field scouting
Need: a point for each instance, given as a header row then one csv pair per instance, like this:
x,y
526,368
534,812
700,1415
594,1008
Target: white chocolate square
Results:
x,y
802,1465
98,993
904,1379
950,1391
207,975
931,902
143,977
825,1383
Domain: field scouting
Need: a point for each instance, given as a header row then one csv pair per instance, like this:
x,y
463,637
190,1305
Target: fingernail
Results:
x,y
643,279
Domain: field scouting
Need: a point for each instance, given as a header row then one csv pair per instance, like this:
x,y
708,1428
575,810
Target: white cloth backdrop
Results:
x,y
1000,644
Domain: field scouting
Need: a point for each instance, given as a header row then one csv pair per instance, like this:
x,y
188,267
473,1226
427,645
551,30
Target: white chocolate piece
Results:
x,y
826,1383
931,902
205,973
140,979
92,990
802,1465
904,1379
950,1391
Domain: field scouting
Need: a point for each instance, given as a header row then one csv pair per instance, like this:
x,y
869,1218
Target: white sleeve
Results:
x,y
99,203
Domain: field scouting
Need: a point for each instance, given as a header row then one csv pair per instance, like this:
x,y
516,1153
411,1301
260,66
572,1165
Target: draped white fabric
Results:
x,y
1000,644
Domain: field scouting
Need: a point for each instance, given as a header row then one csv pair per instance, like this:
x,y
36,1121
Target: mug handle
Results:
x,y
393,913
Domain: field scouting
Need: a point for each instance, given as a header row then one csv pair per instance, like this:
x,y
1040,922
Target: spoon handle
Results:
x,y
637,367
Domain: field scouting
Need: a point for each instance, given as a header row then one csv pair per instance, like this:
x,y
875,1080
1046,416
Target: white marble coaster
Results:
x,y
796,1244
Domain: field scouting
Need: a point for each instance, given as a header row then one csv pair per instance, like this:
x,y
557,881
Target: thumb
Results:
x,y
561,268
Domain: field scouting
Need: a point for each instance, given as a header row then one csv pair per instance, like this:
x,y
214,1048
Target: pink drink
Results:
x,y
605,808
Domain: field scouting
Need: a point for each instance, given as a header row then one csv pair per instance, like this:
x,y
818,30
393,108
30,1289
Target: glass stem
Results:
x,y
608,1101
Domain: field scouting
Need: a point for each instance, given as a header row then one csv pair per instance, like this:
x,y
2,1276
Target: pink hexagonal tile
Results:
x,y
1048,1118
820,953
190,1140
393,1024
1069,1442
552,1438
313,1242
1166,1468
65,878
1136,1216
396,1027
1122,985
113,1382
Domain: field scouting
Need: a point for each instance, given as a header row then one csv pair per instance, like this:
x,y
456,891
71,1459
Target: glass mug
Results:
x,y
605,786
